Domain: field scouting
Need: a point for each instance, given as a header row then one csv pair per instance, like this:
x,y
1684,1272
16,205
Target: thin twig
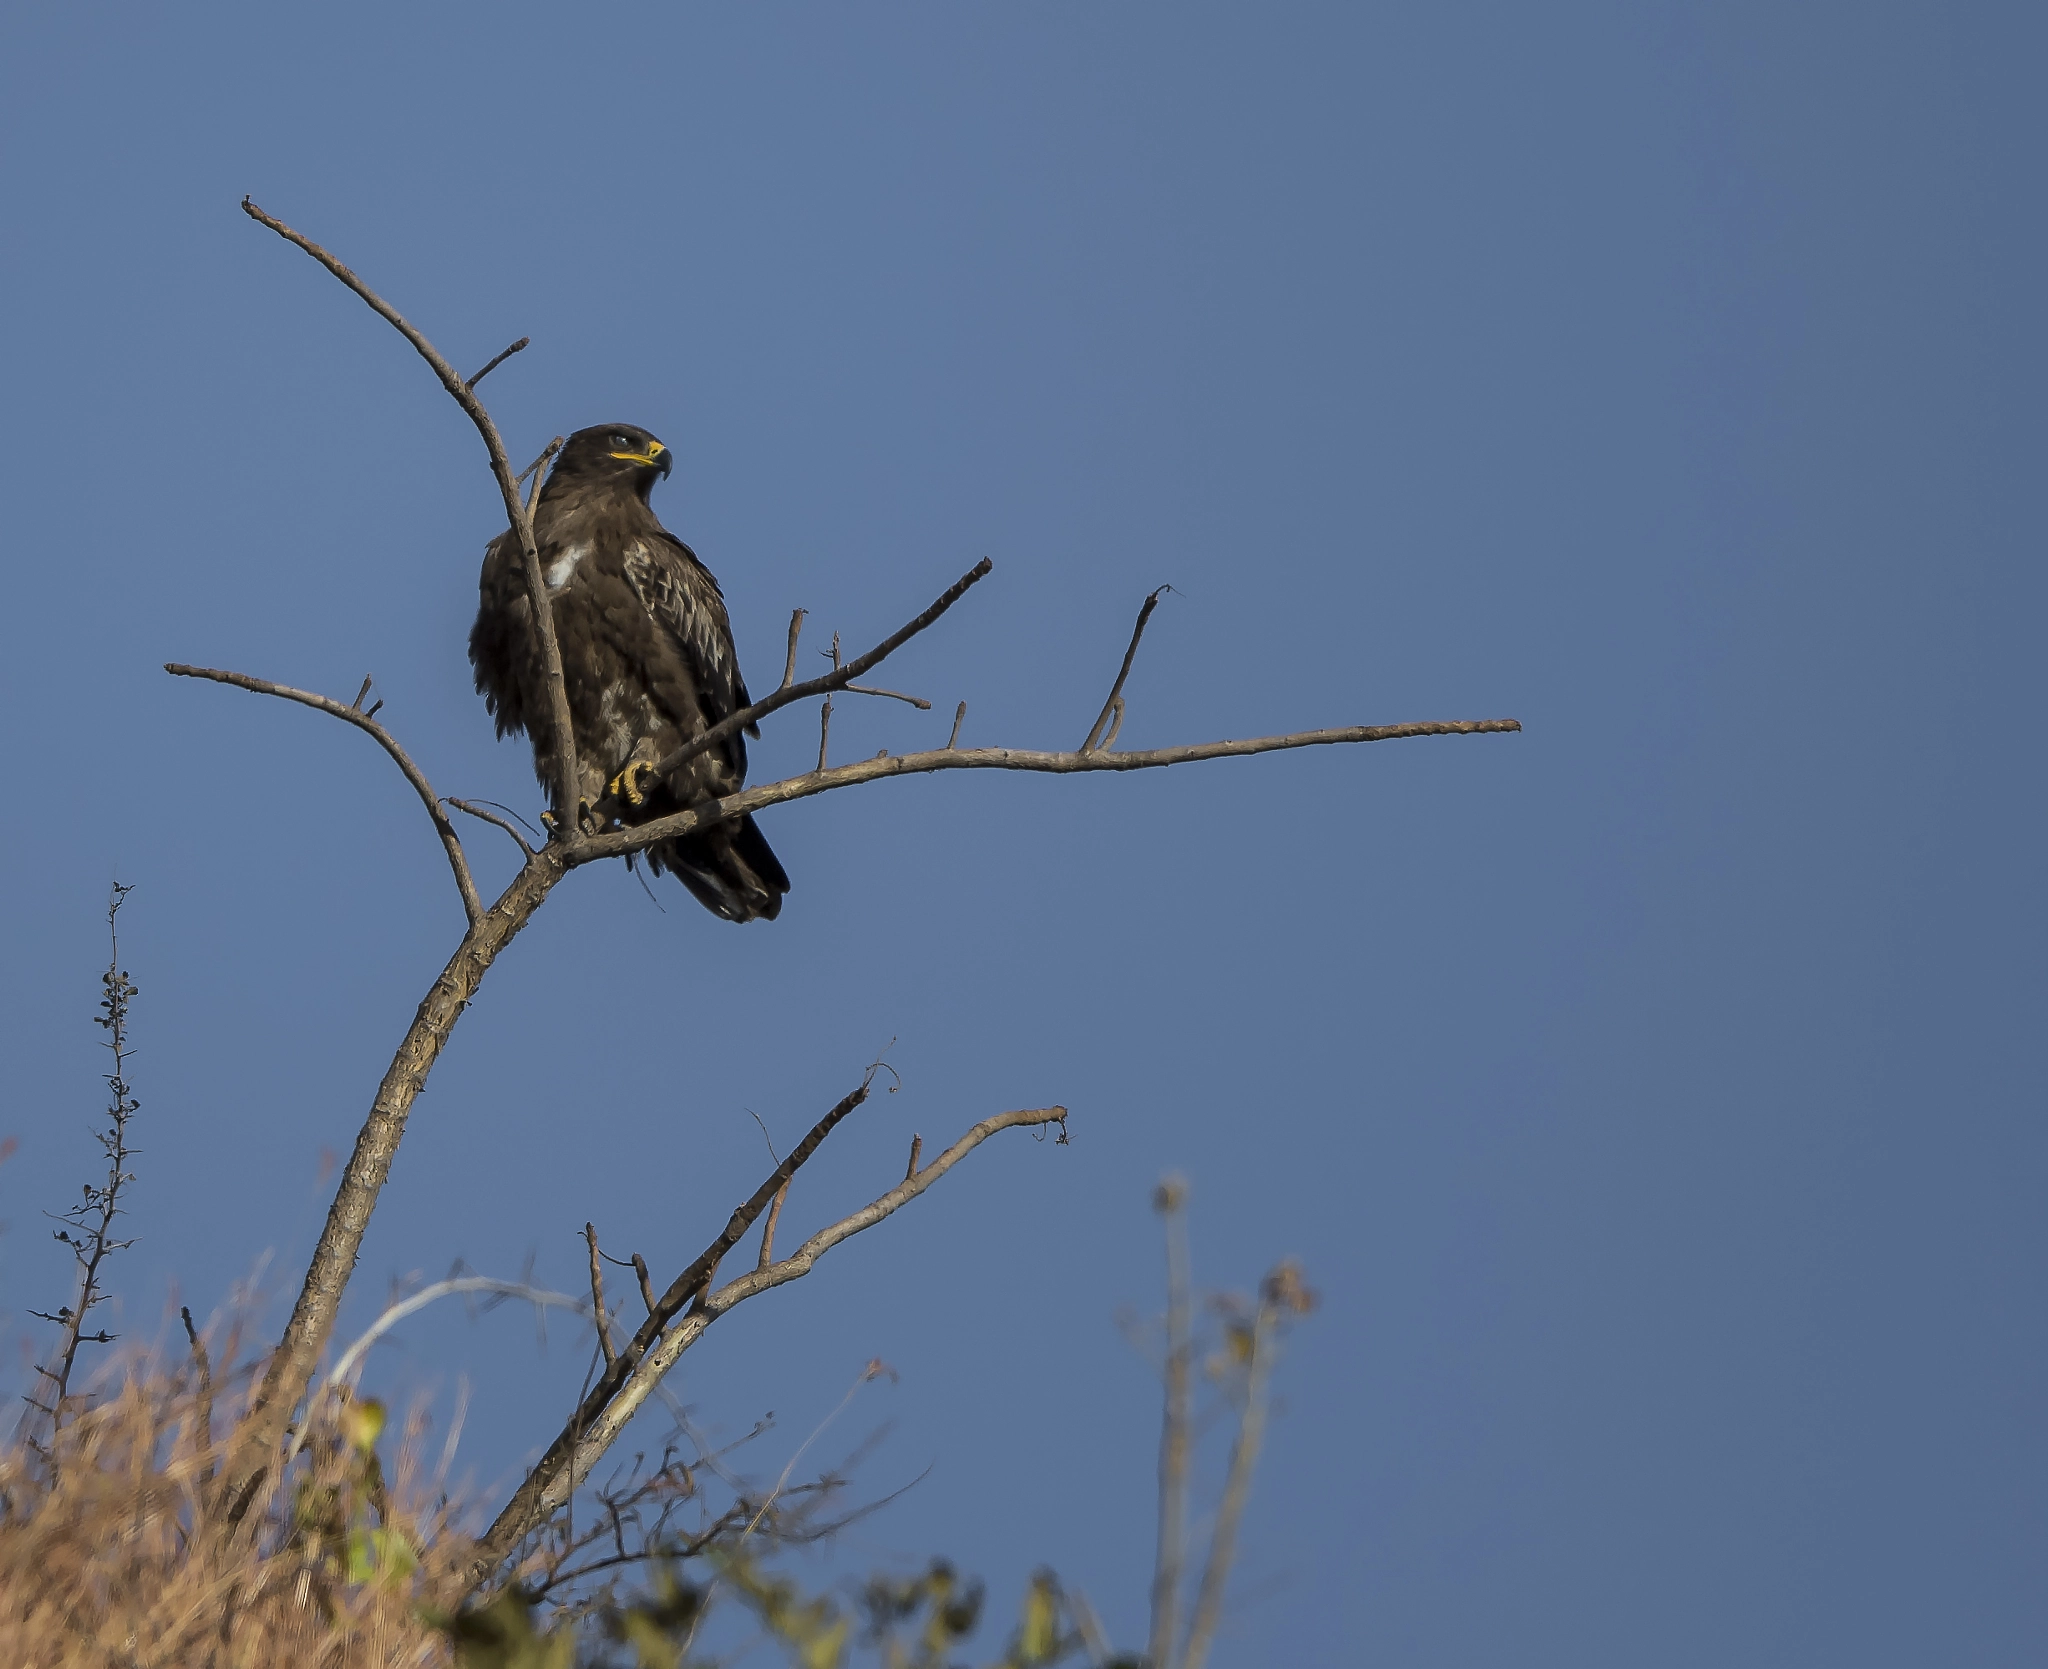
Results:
x,y
617,843
604,1332
494,364
646,1285
917,701
534,469
959,718
796,626
824,731
1116,689
1171,1201
840,676
1244,1460
768,1228
451,843
515,511
916,1147
504,823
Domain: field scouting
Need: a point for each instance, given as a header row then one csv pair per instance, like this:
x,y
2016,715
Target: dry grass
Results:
x,y
115,1550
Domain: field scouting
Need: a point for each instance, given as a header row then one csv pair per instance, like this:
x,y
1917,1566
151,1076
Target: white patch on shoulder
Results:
x,y
563,568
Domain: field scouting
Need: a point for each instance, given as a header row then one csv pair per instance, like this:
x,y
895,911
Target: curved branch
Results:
x,y
472,906
619,842
491,817
516,512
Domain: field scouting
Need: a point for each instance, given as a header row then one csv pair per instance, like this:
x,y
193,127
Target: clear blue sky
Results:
x,y
1654,1097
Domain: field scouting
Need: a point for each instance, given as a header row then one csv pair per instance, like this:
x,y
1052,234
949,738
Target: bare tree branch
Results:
x,y
290,1369
451,843
617,843
523,342
516,514
838,678
796,626
768,1229
917,701
1171,1202
1116,690
504,823
959,718
583,1443
604,1332
1237,1486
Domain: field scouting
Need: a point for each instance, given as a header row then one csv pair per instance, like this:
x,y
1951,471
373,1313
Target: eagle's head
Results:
x,y
615,452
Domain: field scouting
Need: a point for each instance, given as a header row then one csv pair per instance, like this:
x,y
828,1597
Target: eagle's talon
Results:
x,y
627,787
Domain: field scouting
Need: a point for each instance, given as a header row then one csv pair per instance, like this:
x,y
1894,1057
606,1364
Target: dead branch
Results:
x,y
451,843
516,512
604,1332
1115,702
646,1286
1171,1201
768,1228
522,343
593,1429
617,843
838,678
917,701
492,817
796,626
688,1285
959,718
1280,1295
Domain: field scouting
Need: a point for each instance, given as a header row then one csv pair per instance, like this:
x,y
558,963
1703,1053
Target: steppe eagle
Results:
x,y
647,656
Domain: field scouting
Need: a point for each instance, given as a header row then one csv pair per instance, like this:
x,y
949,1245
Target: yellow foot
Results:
x,y
632,785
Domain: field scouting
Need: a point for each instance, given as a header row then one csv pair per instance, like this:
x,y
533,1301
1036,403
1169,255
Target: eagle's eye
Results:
x,y
621,442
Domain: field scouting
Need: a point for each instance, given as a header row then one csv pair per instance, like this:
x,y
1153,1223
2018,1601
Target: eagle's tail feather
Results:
x,y
729,869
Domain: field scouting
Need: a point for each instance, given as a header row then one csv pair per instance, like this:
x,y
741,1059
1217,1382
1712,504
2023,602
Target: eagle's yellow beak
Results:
x,y
656,456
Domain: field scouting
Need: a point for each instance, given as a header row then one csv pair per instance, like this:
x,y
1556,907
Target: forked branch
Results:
x,y
588,1435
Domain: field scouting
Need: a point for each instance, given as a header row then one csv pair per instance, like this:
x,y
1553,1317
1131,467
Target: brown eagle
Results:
x,y
647,657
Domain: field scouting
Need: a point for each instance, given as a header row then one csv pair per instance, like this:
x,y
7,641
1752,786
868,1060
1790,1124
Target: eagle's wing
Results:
x,y
688,609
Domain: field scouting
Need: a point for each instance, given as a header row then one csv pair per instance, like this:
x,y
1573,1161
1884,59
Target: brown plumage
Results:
x,y
647,658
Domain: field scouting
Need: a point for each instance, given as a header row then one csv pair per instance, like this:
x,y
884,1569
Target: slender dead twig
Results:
x,y
768,1228
492,817
516,512
959,718
451,843
916,1147
604,1332
917,701
1170,1199
1281,1295
593,1429
824,732
646,1285
1115,702
617,843
837,678
796,626
523,342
